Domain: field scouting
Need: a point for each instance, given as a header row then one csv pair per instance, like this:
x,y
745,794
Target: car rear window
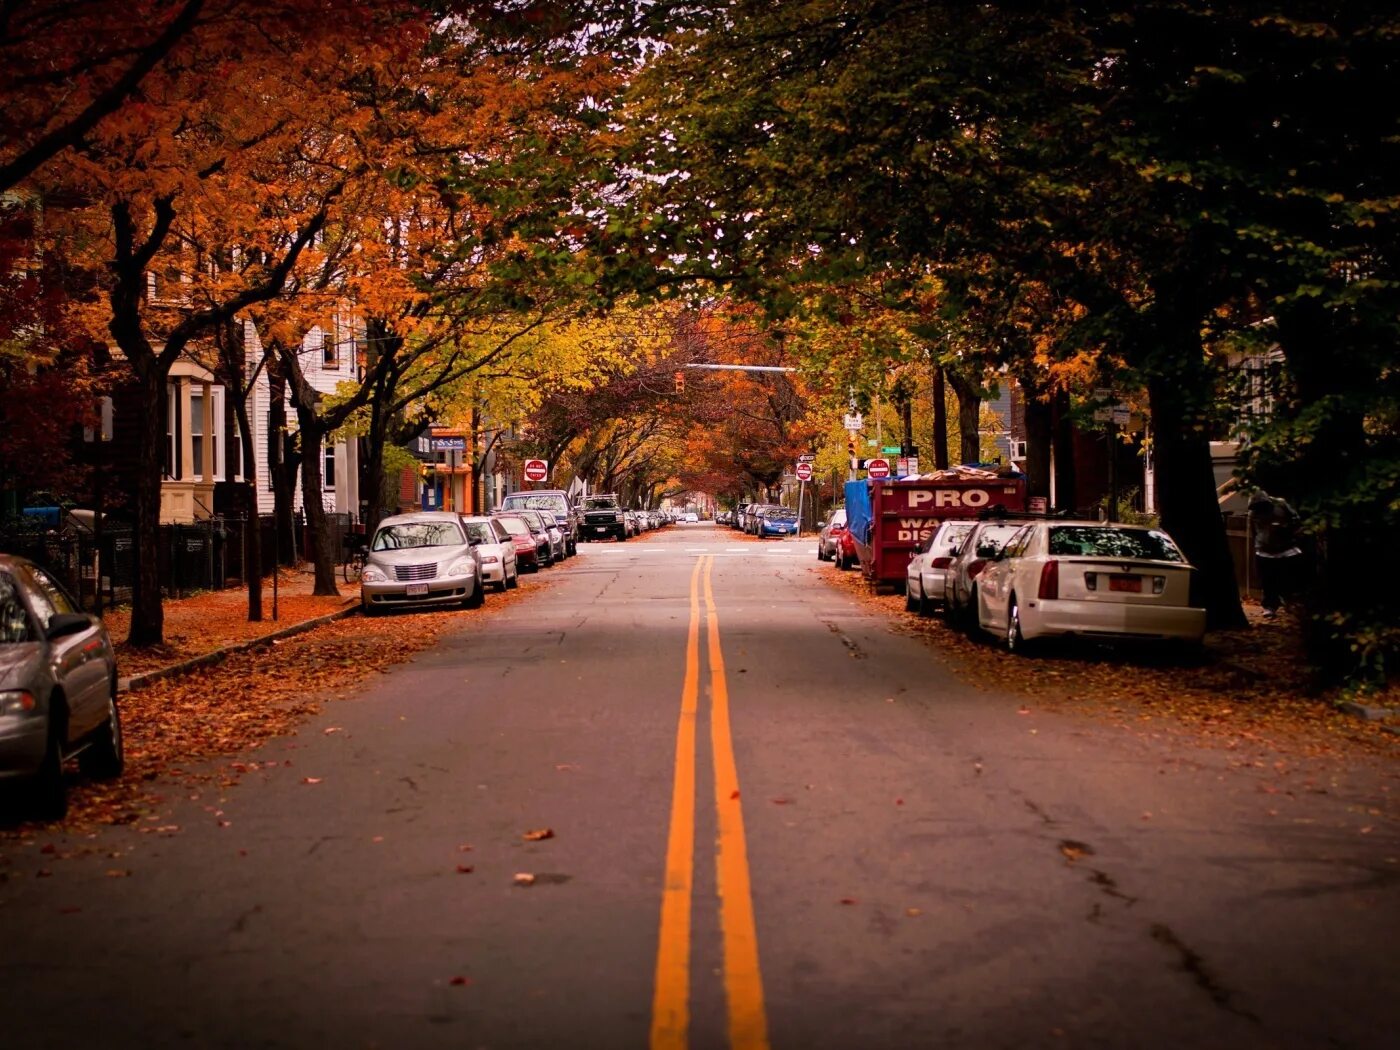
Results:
x,y
408,535
514,525
781,515
1105,541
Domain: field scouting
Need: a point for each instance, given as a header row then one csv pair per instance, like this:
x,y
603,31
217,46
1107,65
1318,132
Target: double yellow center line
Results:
x,y
743,983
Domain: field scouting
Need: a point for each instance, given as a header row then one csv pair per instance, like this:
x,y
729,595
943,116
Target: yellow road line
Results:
x,y
670,1011
743,983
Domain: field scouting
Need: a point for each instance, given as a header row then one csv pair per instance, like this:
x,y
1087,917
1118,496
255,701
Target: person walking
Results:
x,y
1276,549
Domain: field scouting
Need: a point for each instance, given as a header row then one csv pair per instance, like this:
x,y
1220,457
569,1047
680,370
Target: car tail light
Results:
x,y
1050,580
975,566
940,563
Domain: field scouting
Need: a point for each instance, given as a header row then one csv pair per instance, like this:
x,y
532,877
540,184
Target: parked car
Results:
x,y
1092,579
527,543
495,550
736,520
828,539
422,558
554,538
777,521
603,516
982,544
925,583
58,688
550,501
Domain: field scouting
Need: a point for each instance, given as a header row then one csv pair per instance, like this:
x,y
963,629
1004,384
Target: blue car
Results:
x,y
779,521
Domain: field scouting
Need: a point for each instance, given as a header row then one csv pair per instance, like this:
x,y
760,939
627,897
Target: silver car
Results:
x,y
421,559
58,688
980,546
495,550
926,580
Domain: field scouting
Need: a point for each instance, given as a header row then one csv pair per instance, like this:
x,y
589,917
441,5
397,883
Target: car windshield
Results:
x,y
839,518
14,623
1105,541
515,526
600,503
553,504
410,534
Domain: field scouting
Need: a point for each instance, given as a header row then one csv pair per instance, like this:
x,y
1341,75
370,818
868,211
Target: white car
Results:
x,y
495,550
978,548
691,516
420,559
926,579
1092,579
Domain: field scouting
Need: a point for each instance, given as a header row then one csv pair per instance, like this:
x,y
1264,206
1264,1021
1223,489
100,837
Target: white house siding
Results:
x,y
344,497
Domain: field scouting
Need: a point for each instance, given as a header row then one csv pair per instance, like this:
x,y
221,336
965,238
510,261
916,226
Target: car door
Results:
x,y
994,584
507,547
79,660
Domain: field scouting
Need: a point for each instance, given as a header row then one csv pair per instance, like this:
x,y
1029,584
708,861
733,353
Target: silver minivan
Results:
x,y
423,558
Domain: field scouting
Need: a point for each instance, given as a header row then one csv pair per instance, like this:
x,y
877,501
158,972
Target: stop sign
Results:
x,y
877,468
804,472
536,469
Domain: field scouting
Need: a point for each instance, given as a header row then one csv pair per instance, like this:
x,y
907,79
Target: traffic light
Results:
x,y
680,381
851,446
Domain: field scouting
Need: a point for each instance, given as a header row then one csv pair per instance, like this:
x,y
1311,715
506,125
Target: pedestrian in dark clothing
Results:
x,y
1276,550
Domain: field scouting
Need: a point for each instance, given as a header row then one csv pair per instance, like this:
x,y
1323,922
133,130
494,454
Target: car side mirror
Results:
x,y
63,624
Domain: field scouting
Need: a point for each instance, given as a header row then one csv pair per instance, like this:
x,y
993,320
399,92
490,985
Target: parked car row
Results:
x,y
763,519
1026,580
604,517
440,558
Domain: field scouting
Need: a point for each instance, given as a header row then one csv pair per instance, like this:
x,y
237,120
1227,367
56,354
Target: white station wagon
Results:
x,y
1092,579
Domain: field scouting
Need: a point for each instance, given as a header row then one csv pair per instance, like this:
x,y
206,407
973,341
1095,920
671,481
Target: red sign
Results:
x,y
536,469
804,472
877,468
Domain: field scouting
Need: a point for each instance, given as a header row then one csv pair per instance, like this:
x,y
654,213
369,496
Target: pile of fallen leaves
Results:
x,y
178,726
205,622
1249,686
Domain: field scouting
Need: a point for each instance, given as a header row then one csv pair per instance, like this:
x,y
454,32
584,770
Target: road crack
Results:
x,y
1193,964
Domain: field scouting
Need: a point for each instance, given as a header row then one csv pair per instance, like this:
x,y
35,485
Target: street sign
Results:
x,y
536,469
877,468
892,450
807,457
913,465
1103,415
1120,415
901,466
854,421
804,472
449,444
1038,505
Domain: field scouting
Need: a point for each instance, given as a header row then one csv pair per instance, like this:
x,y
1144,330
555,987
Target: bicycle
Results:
x,y
354,564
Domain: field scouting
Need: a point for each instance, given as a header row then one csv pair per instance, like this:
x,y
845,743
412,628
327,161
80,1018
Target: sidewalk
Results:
x,y
204,627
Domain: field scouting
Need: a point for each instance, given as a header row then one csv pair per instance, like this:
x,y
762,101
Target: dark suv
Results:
x,y
549,501
603,516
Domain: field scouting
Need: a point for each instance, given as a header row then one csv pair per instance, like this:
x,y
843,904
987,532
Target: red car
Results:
x,y
834,542
527,555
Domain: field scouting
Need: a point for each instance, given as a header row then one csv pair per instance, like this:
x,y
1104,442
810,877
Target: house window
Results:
x,y
206,426
330,467
172,452
330,353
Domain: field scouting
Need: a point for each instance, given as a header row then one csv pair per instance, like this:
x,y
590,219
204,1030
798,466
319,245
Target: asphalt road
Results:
x,y
774,823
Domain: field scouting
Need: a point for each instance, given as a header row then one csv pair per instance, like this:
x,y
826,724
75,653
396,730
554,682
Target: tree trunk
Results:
x,y
252,533
1186,489
147,612
1038,431
1062,443
323,558
940,420
969,417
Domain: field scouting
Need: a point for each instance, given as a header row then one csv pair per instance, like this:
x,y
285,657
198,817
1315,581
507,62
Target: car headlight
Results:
x,y
373,576
16,702
463,567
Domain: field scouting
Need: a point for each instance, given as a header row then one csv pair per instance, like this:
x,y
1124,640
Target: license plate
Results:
x,y
1130,584
416,590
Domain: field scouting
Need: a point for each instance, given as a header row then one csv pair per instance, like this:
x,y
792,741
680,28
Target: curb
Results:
x,y
141,681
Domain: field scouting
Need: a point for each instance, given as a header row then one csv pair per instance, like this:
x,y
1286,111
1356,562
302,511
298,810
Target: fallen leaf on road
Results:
x,y
734,794
117,873
913,913
780,801
524,878
538,834
460,981
310,780
465,869
848,900
332,729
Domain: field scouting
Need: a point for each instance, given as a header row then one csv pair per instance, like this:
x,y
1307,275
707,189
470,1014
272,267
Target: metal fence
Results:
x,y
199,556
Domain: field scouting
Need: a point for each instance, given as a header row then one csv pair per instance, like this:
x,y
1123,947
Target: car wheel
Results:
x,y
513,581
1015,640
925,606
48,792
105,757
478,598
911,604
